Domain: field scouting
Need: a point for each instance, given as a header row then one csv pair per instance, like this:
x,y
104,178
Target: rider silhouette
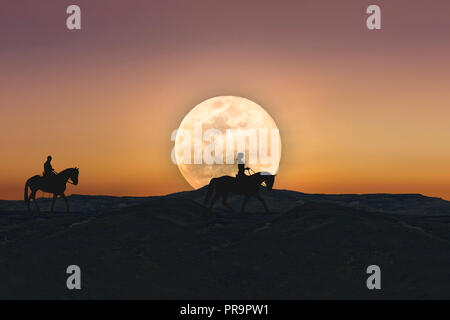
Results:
x,y
241,166
48,169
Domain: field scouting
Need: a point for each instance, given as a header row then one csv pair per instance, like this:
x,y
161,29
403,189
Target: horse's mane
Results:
x,y
67,170
267,177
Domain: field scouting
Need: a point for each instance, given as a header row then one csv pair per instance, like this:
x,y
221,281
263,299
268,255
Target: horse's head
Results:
x,y
74,175
268,179
269,182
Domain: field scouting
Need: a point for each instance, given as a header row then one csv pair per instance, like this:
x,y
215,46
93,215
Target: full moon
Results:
x,y
212,129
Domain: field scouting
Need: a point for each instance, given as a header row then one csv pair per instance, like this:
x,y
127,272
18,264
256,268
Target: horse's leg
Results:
x,y
244,203
28,202
27,197
214,199
257,196
33,196
67,201
225,203
53,201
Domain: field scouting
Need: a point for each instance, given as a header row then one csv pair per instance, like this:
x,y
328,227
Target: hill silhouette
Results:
x,y
171,247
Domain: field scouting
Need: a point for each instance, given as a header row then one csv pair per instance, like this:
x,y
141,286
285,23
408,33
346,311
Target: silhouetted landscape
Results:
x,y
171,247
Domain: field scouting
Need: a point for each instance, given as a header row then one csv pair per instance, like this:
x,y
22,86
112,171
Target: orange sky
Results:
x,y
358,111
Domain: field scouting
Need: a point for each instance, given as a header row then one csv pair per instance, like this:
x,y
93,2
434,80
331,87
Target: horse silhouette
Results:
x,y
55,184
248,186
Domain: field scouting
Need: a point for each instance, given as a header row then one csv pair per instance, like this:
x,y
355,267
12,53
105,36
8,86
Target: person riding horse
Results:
x,y
50,182
247,185
49,172
240,176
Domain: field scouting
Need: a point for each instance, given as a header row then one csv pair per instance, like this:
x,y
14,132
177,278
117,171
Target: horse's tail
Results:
x,y
212,182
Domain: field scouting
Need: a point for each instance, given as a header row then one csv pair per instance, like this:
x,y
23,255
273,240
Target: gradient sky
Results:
x,y
359,111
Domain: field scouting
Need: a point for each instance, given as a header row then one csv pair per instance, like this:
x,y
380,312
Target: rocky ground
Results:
x,y
172,247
